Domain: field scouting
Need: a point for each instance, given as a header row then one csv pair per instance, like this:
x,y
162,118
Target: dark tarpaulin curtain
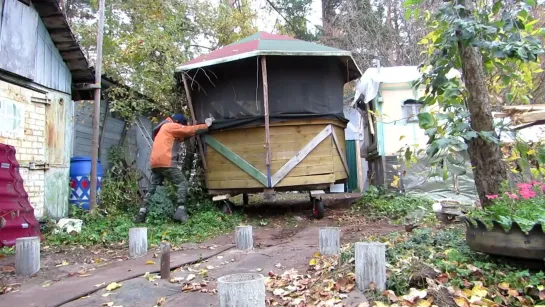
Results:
x,y
302,87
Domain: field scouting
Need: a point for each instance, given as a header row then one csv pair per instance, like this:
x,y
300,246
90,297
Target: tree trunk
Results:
x,y
486,157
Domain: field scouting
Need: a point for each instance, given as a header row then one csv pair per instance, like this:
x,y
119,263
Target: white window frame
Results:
x,y
416,108
12,114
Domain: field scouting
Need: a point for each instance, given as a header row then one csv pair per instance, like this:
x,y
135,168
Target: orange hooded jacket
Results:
x,y
167,140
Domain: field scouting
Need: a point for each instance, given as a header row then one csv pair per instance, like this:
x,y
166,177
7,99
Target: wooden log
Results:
x,y
27,255
138,242
244,238
242,290
266,113
165,260
194,119
330,241
370,265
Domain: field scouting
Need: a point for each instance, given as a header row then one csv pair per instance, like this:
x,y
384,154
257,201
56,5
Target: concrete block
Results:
x,y
69,225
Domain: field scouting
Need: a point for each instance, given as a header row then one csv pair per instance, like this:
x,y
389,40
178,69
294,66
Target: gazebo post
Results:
x,y
190,104
266,112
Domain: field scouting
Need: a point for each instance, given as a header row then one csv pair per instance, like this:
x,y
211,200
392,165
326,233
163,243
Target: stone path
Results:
x,y
72,288
290,252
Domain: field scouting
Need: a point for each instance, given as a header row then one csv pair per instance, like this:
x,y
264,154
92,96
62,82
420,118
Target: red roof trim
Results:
x,y
270,36
226,52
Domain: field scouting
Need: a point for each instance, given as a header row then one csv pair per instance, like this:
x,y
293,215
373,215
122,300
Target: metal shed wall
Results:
x,y
26,48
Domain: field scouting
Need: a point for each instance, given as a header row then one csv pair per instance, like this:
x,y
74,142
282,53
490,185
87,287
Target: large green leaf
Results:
x,y
426,120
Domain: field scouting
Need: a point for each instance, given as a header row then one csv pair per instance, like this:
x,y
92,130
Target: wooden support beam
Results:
x,y
340,152
237,160
266,111
192,112
165,260
284,170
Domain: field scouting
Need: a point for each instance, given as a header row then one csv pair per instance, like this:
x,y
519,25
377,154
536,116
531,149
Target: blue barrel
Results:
x,y
80,181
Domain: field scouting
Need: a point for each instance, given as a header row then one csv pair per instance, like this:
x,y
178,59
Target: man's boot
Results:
x,y
180,215
141,216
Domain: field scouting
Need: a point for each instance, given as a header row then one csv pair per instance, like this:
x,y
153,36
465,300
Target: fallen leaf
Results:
x,y
461,302
316,255
390,295
151,277
160,301
47,284
63,263
479,290
150,262
176,279
190,277
313,262
113,286
8,269
504,286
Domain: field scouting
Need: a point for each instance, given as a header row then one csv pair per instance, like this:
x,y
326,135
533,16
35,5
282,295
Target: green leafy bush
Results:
x,y
377,204
161,207
108,230
120,191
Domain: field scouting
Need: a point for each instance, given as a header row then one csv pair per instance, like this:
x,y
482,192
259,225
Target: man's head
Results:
x,y
179,118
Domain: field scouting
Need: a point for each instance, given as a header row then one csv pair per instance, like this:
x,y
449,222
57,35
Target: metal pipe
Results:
x,y
96,113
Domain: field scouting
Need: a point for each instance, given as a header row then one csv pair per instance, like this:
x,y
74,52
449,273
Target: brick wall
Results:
x,y
25,129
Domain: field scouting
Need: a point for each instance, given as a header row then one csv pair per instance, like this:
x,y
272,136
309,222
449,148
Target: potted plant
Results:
x,y
512,225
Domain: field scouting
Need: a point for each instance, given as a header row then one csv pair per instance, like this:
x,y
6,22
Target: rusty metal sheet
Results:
x,y
18,38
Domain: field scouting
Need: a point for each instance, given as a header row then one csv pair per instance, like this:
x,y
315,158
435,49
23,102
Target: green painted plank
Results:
x,y
237,160
351,158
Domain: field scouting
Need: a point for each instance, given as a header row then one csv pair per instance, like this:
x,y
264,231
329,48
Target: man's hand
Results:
x,y
209,121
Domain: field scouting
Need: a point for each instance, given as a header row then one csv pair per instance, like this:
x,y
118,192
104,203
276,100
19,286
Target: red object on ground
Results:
x,y
17,218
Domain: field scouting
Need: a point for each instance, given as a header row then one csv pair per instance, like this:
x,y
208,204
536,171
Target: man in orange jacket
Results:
x,y
164,164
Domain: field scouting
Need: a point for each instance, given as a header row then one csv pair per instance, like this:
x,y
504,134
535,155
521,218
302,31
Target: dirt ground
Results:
x,y
284,233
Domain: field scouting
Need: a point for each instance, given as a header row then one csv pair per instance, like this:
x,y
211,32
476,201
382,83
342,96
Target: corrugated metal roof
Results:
x,y
263,43
62,36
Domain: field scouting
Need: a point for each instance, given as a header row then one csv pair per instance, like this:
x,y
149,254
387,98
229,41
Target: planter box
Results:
x,y
514,243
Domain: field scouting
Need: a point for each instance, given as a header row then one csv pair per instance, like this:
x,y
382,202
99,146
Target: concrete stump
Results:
x,y
244,237
242,290
138,242
330,241
27,256
371,265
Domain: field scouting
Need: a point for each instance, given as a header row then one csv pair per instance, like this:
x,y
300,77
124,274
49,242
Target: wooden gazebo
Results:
x,y
278,104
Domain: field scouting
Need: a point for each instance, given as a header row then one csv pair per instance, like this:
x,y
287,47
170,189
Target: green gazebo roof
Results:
x,y
263,43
